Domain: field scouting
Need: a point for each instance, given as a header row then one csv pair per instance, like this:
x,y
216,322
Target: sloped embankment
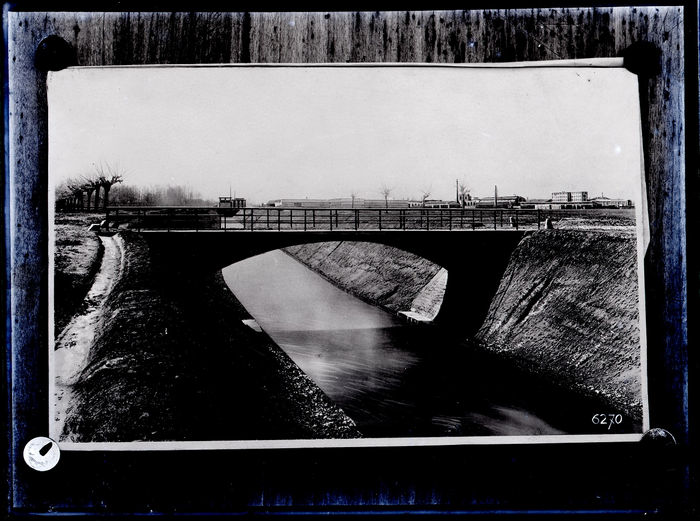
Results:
x,y
379,274
568,308
173,361
76,261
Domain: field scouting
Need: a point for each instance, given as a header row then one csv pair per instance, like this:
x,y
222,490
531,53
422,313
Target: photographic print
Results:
x,y
255,256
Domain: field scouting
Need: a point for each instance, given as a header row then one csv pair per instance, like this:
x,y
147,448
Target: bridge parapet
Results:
x,y
323,219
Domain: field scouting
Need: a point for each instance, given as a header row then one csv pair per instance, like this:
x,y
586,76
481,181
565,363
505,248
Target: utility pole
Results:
x,y
457,190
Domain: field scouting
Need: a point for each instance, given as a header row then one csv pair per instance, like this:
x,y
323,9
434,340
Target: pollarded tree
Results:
x,y
425,192
77,190
108,176
91,183
386,192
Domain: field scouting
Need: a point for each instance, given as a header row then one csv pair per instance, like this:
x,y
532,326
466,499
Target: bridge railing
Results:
x,y
322,219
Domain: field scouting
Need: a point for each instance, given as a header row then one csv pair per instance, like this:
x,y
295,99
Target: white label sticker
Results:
x,y
42,453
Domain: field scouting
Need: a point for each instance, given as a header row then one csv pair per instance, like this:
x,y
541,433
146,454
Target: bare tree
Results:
x,y
67,194
91,183
76,188
353,195
62,191
426,191
107,176
386,192
463,190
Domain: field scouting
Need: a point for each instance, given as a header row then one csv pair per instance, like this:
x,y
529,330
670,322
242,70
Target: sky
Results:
x,y
324,132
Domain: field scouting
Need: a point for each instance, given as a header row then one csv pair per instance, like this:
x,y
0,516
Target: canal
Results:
x,y
395,379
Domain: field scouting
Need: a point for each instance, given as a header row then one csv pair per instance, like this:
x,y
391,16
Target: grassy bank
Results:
x,y
173,361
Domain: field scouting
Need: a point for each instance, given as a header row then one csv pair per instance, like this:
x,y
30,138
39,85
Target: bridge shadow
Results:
x,y
475,260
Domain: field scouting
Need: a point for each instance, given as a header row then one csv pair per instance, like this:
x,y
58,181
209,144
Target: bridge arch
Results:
x,y
475,261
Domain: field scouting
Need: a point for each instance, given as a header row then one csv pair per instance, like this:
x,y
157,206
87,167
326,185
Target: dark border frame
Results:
x,y
647,477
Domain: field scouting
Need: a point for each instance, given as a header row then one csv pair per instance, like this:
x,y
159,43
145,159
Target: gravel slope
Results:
x,y
172,361
568,307
378,274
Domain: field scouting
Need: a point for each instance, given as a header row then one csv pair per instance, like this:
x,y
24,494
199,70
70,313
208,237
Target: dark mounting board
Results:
x,y
598,478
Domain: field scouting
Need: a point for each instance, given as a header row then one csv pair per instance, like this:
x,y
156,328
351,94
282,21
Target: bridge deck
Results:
x,y
277,219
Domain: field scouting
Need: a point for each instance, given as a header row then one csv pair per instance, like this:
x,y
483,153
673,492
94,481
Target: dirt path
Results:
x,y
72,347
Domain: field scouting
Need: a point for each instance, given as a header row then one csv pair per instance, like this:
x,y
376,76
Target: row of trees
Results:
x,y
157,195
90,191
103,187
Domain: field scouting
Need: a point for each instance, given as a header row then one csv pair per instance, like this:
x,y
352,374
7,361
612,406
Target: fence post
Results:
x,y
427,220
494,220
305,219
449,213
380,220
357,219
538,218
516,220
291,219
268,218
330,219
279,219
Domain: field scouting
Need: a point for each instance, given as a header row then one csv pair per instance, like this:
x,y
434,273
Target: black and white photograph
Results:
x,y
305,256
340,261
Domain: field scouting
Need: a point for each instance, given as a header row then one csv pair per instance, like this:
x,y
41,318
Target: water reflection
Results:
x,y
283,295
391,378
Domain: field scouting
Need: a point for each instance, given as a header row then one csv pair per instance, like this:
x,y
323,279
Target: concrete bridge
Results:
x,y
475,255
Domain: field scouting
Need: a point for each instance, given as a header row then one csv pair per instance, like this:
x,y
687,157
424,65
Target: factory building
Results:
x,y
569,197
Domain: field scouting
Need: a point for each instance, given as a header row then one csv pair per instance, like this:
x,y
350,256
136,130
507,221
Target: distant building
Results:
x,y
502,201
388,203
608,202
542,204
466,200
579,197
345,202
300,203
561,197
437,203
232,202
569,197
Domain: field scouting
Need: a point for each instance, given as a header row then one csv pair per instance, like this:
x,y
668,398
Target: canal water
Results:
x,y
392,378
